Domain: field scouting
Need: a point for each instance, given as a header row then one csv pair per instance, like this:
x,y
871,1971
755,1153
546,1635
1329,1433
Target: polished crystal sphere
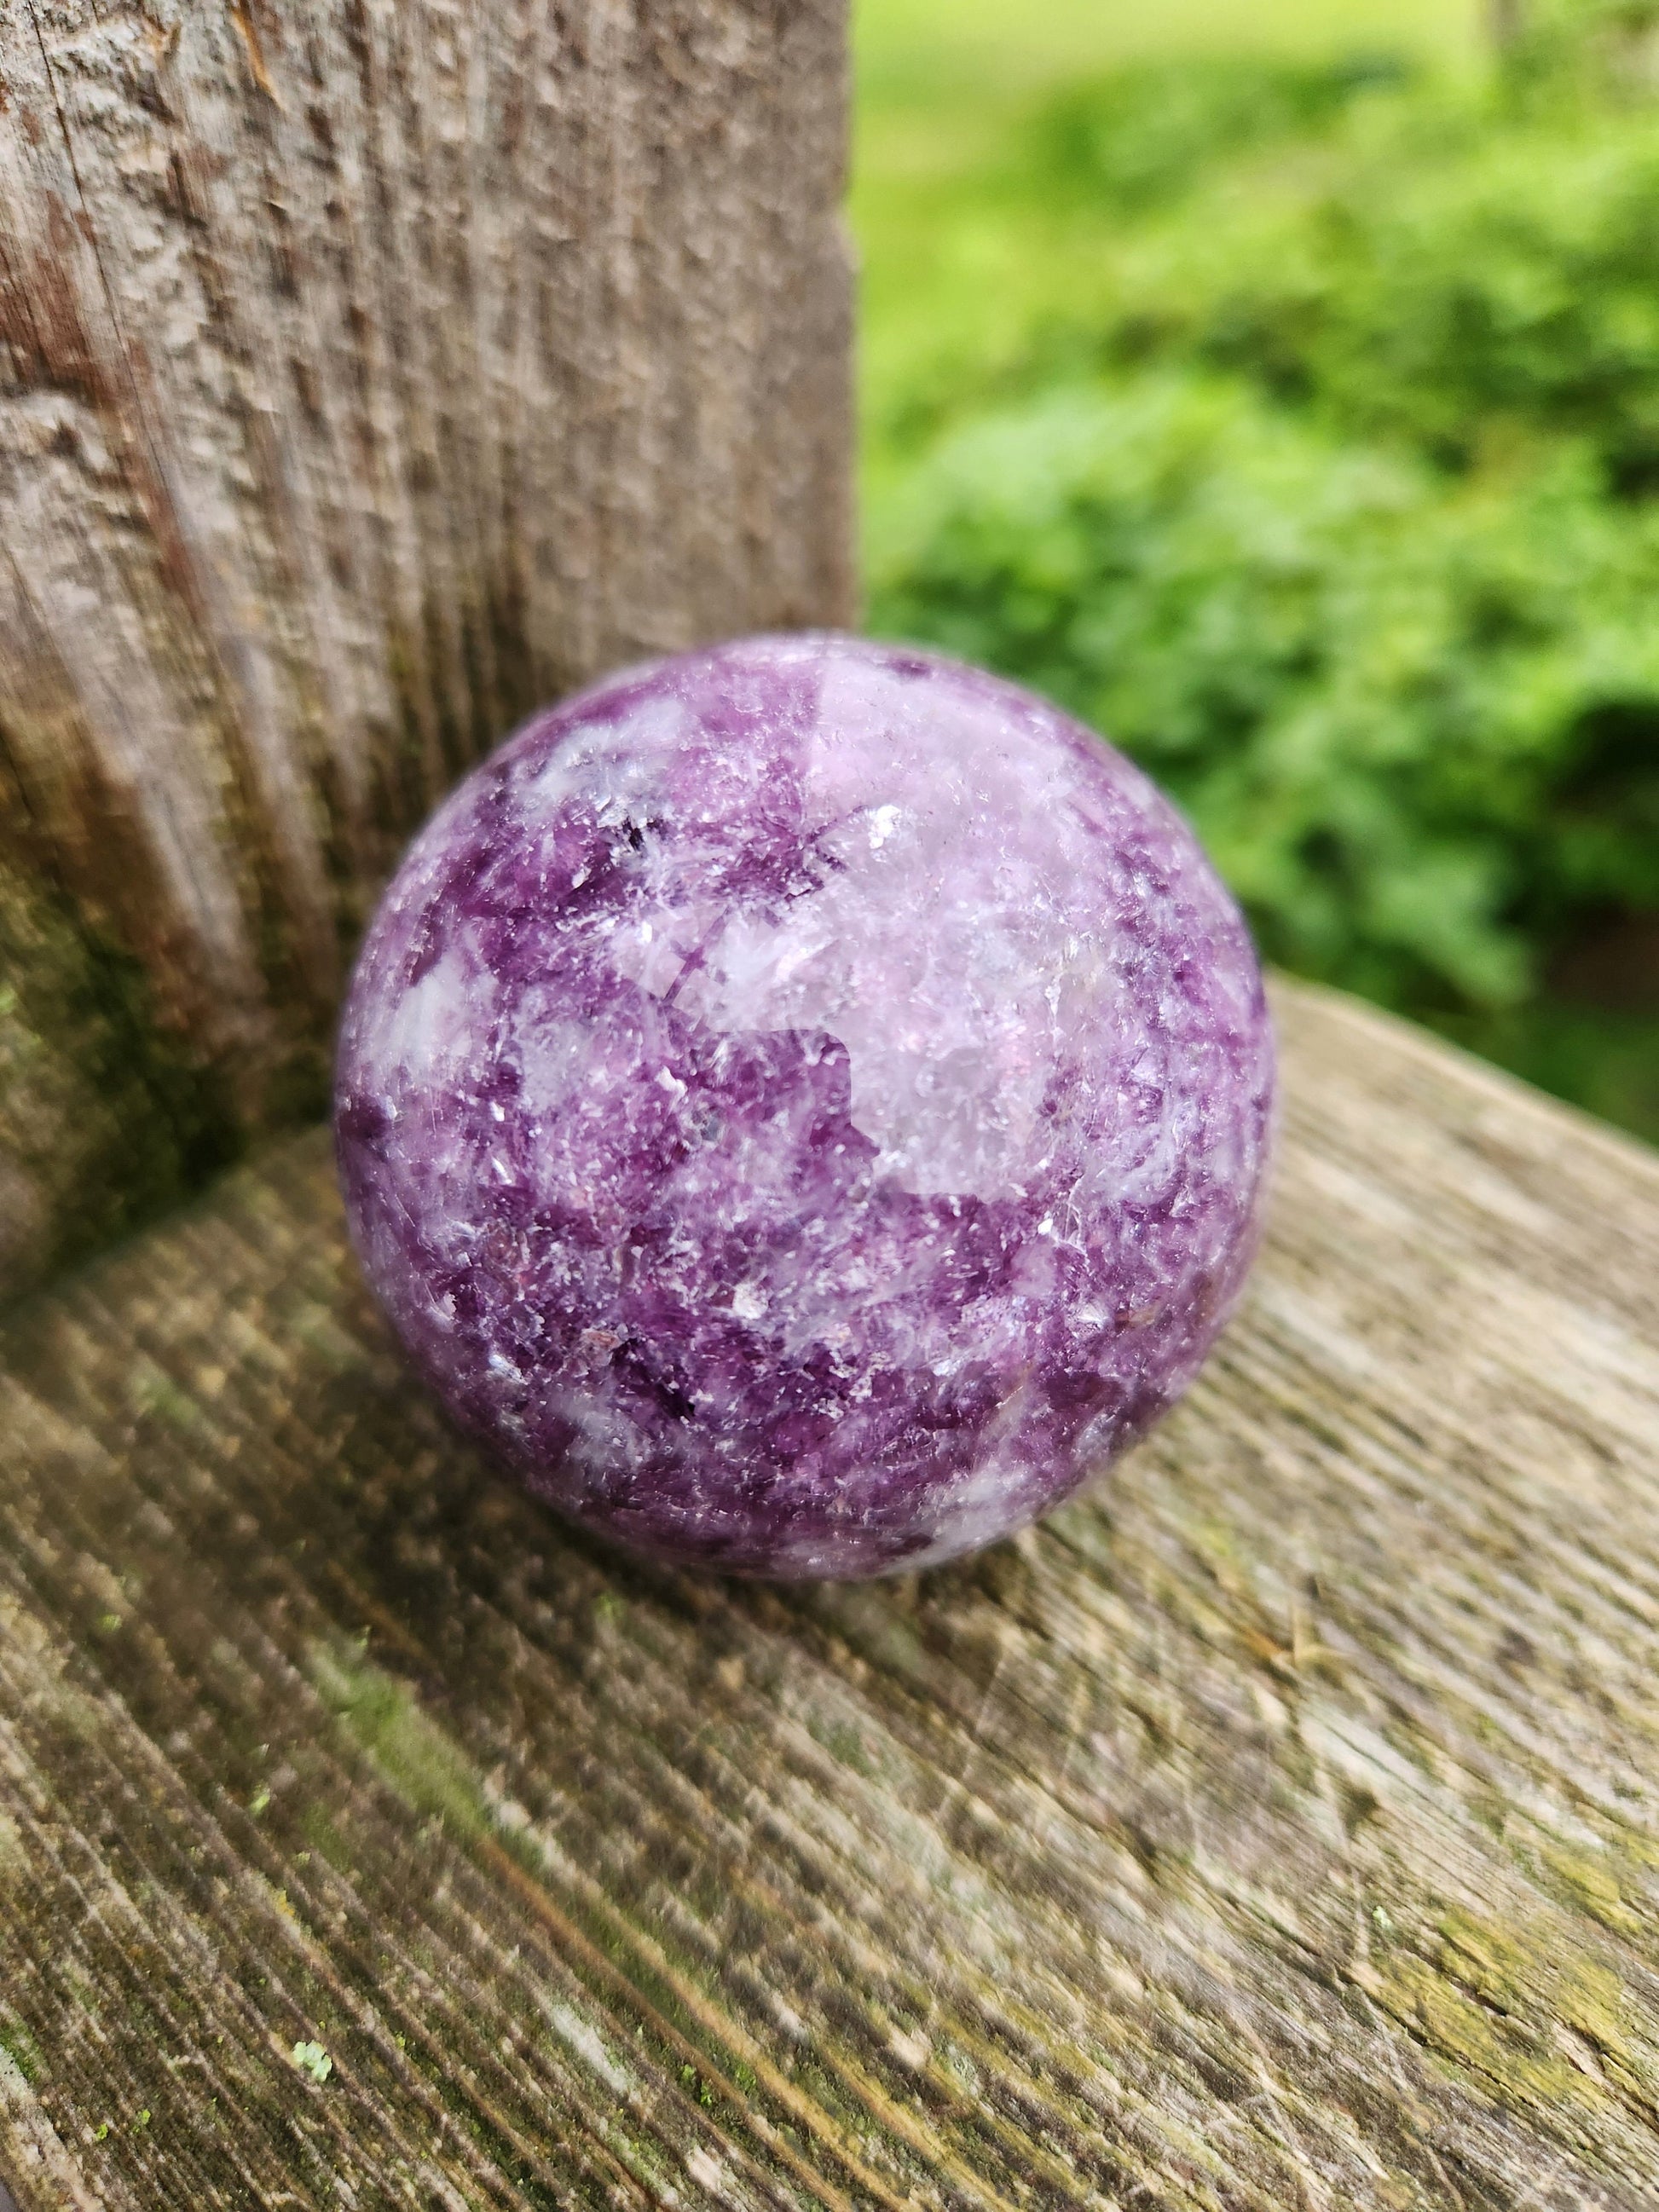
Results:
x,y
804,1105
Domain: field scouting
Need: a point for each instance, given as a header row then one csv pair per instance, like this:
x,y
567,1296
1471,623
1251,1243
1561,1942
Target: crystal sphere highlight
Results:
x,y
804,1105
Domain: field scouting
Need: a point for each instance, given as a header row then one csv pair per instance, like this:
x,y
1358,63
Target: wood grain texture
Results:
x,y
1277,1827
370,372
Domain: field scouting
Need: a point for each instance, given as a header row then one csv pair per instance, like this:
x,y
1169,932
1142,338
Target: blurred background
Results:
x,y
1276,383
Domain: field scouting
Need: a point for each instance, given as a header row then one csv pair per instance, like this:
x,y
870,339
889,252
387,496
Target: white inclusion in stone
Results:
x,y
430,1025
556,1056
613,767
883,823
950,1050
975,1509
749,1301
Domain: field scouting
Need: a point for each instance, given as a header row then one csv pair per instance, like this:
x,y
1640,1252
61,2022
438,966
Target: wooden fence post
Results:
x,y
369,371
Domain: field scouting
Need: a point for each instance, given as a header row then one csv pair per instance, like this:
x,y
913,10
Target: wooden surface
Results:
x,y
370,372
1278,1827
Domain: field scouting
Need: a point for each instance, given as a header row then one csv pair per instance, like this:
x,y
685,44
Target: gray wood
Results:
x,y
370,371
1277,1827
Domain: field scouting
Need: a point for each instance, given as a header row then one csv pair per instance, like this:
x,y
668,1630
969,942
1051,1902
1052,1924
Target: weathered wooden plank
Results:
x,y
1278,1828
370,372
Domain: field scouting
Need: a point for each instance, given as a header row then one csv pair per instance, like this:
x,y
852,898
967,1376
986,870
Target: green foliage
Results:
x,y
1151,133
1417,722
1310,448
1463,281
1600,50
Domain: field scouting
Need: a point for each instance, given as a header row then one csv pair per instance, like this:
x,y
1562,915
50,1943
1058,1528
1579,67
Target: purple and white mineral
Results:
x,y
805,1105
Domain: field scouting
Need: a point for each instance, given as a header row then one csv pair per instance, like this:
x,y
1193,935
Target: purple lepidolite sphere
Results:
x,y
805,1105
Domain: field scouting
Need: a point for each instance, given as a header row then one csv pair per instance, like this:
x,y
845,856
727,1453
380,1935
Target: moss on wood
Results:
x,y
105,1118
